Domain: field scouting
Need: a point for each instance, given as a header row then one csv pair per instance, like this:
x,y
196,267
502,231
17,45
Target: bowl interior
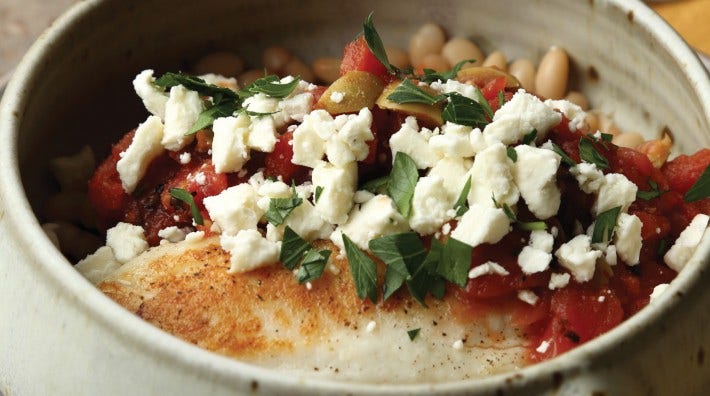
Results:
x,y
78,89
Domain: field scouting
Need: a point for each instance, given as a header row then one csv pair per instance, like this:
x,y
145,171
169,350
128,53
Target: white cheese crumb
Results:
x,y
309,286
229,145
95,267
577,256
601,299
181,112
430,205
481,224
589,178
491,177
185,158
657,291
371,326
517,117
337,97
627,238
201,178
126,241
375,218
543,347
527,296
536,257
458,345
415,143
172,234
535,175
686,244
235,209
558,281
487,268
249,250
194,236
338,188
616,190
140,153
154,98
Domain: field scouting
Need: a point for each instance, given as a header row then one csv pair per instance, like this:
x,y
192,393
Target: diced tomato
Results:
x,y
357,56
278,162
578,314
492,87
685,170
632,164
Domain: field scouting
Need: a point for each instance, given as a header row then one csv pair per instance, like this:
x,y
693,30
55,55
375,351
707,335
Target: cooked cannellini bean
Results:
x,y
459,49
275,59
524,71
250,76
552,74
434,61
224,63
397,57
606,125
73,241
326,69
657,150
296,67
496,59
592,121
429,39
628,139
73,171
579,99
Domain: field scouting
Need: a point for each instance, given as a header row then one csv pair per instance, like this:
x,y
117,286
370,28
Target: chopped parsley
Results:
x,y
407,92
312,265
374,43
654,192
604,225
589,153
401,253
701,188
566,159
280,208
465,111
461,204
318,192
413,333
530,137
295,250
402,182
363,270
512,154
186,197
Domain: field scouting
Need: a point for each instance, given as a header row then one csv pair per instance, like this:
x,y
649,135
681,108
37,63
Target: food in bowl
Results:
x,y
484,228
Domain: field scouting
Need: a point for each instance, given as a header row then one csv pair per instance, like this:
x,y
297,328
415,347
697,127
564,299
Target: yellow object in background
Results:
x,y
691,18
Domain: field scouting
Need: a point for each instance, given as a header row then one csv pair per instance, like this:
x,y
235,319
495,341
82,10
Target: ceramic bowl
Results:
x,y
59,335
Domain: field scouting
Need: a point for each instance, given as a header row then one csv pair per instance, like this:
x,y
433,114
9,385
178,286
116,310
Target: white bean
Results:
x,y
429,39
326,69
579,99
496,59
459,49
524,71
397,57
434,61
224,63
628,139
296,67
552,74
249,77
275,59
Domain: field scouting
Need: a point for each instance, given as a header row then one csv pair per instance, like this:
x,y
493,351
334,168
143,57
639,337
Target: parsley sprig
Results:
x,y
186,197
281,208
295,250
605,224
700,189
654,192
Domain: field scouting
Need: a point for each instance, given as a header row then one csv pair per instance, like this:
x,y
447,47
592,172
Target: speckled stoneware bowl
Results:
x,y
60,336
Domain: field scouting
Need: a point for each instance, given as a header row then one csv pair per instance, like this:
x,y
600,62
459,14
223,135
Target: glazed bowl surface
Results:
x,y
59,335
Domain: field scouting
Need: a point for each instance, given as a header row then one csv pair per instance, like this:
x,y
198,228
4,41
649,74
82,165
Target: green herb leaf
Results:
x,y
654,192
207,117
565,158
313,265
413,333
424,277
218,94
319,191
270,86
401,253
432,75
530,137
701,188
484,103
376,186
280,208
407,92
374,43
606,137
589,153
512,154
455,261
402,180
363,269
604,225
464,111
501,99
185,196
293,248
461,204
532,225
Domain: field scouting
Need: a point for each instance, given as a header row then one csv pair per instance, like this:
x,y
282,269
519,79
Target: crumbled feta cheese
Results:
x,y
97,266
371,326
627,238
610,255
527,296
172,234
185,158
536,257
362,196
558,281
451,86
535,174
154,98
517,117
481,224
337,97
140,153
181,112
410,141
616,190
491,177
657,291
601,299
454,172
573,112
309,286
589,178
543,347
310,137
235,209
126,241
201,178
305,222
350,142
261,103
229,145
430,205
577,256
262,134
249,250
453,141
338,188
221,81
295,107
686,244
458,344
487,268
194,236
375,218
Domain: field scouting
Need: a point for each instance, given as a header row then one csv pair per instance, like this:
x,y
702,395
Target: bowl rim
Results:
x,y
112,317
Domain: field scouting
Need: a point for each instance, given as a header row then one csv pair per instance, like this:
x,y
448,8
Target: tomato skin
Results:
x,y
685,170
278,162
357,56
